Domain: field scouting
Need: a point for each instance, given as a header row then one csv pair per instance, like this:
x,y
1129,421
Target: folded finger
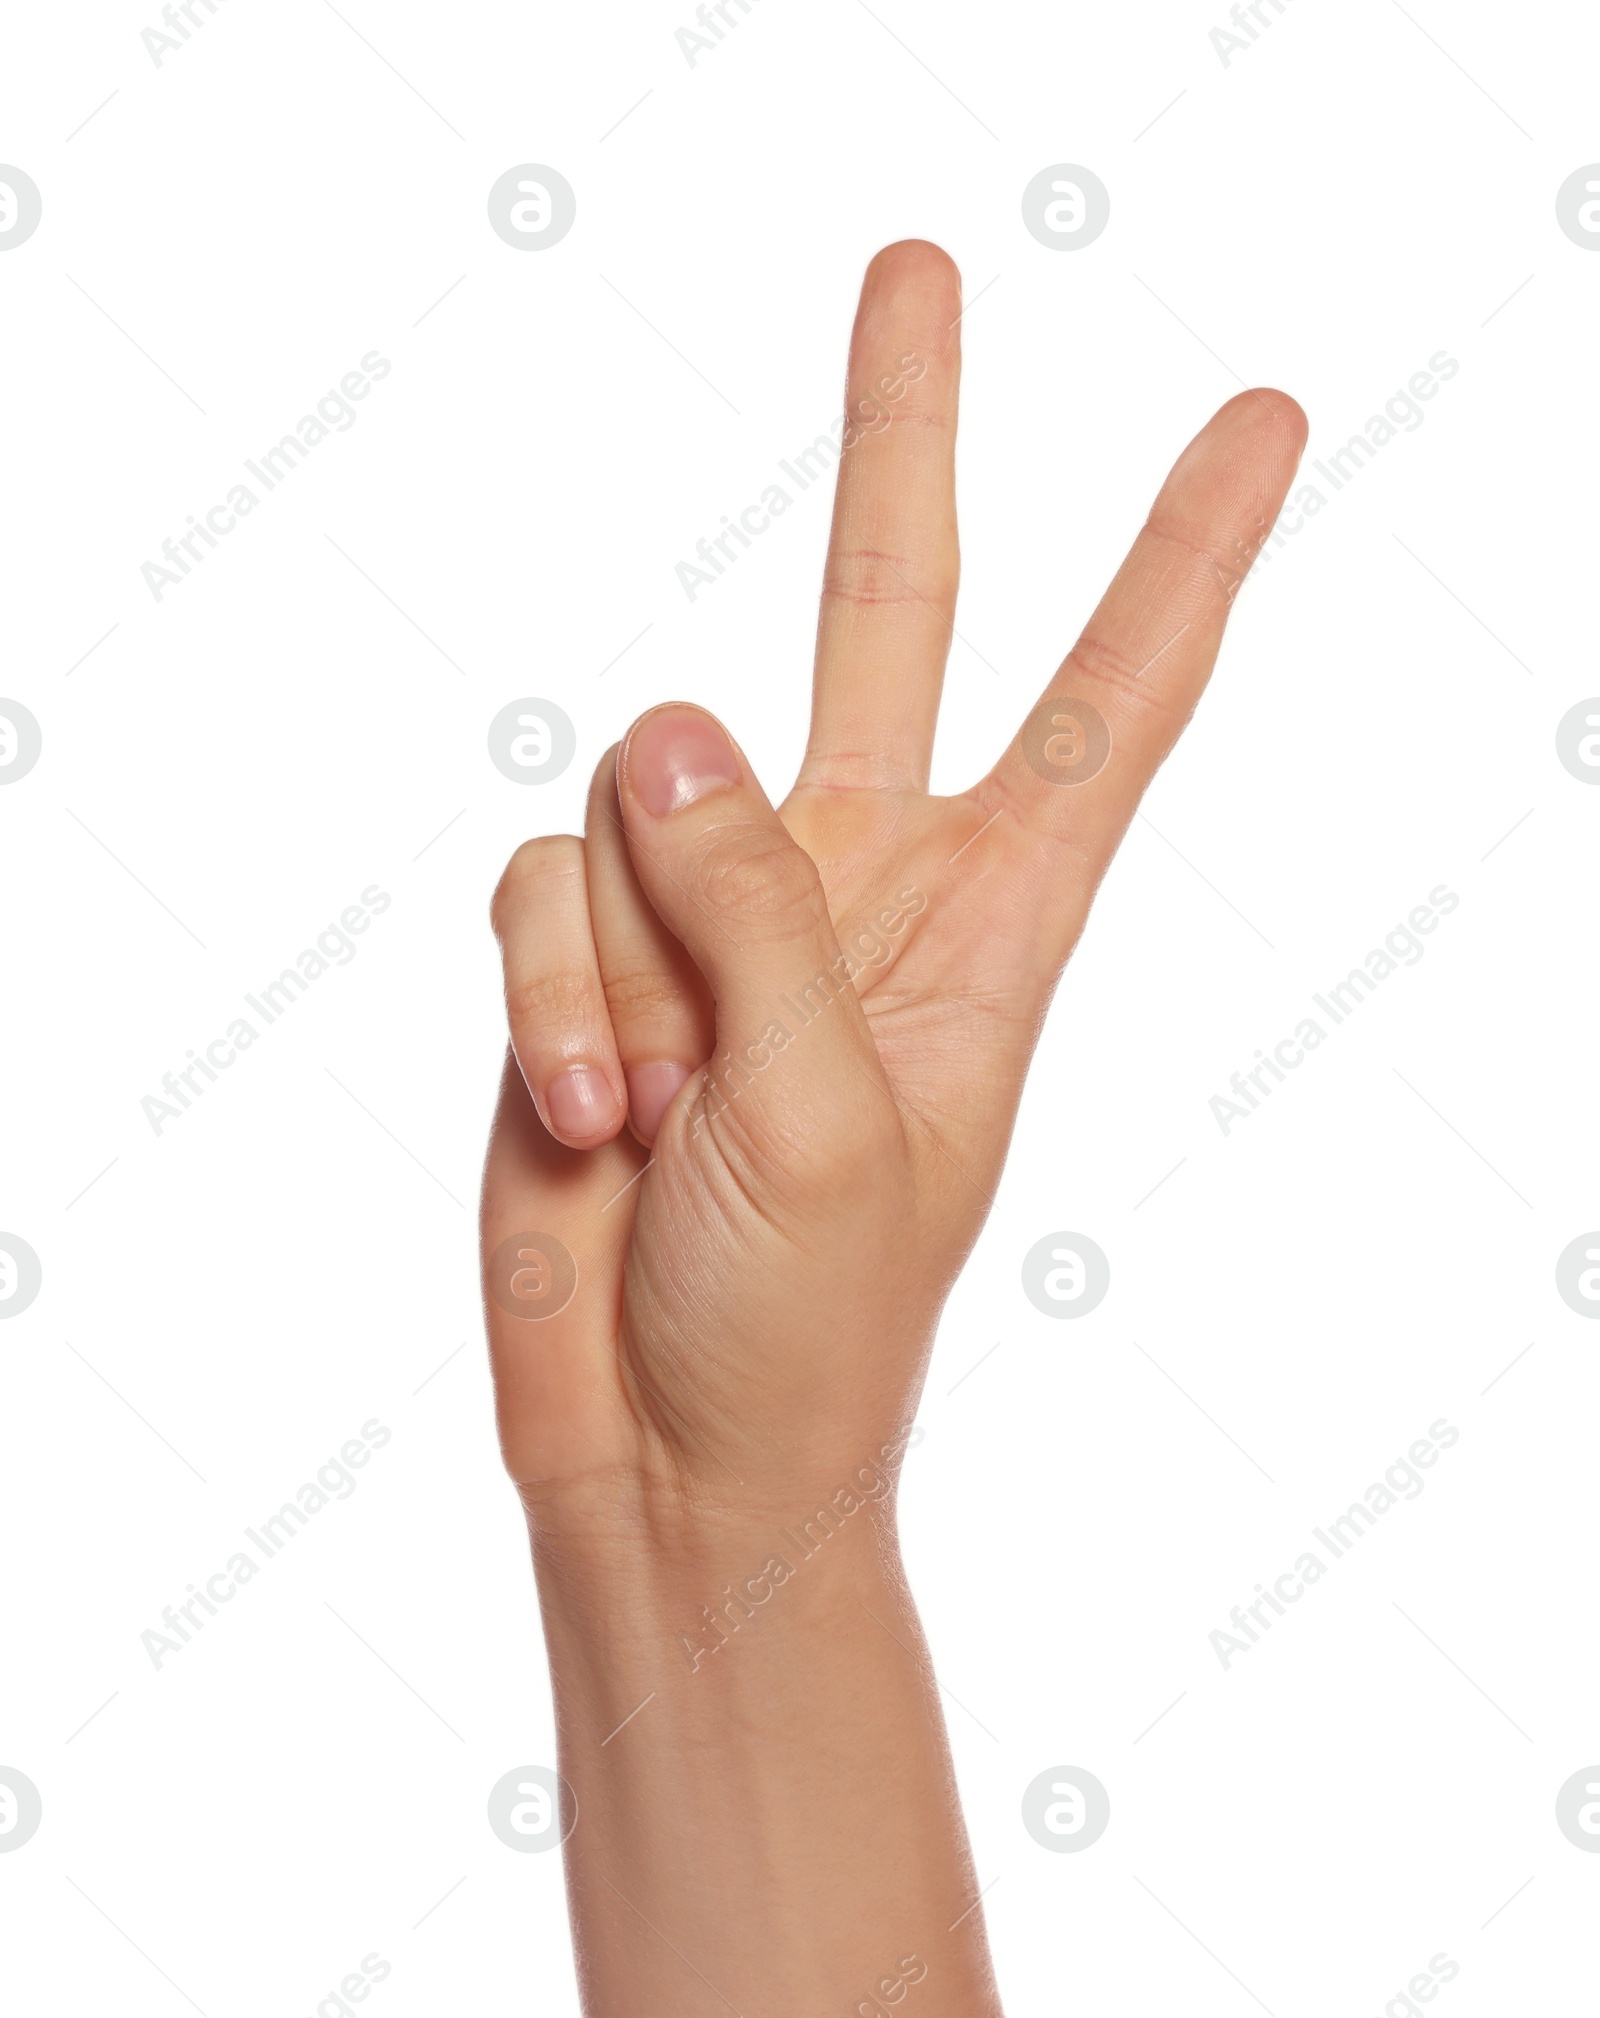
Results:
x,y
660,1008
555,1001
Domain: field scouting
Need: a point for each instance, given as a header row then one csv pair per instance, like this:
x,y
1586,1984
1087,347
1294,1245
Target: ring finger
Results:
x,y
660,1007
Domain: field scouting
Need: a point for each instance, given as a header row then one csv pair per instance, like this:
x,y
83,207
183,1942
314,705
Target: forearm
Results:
x,y
765,1813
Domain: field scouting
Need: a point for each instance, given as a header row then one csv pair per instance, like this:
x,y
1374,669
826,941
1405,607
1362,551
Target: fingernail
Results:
x,y
580,1102
677,756
651,1091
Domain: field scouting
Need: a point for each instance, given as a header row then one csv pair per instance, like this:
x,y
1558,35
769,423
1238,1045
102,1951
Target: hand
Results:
x,y
766,1063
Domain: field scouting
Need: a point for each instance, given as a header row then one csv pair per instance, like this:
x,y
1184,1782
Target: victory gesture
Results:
x,y
765,1064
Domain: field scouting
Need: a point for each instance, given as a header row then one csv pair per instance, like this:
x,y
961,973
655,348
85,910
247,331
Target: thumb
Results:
x,y
725,875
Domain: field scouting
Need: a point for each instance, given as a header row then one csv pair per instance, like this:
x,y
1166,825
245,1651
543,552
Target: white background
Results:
x,y
229,767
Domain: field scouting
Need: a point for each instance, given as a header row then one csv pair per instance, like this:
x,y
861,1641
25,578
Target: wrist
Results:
x,y
666,1527
651,1589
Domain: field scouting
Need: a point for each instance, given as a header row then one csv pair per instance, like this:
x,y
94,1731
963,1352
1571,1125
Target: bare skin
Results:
x,y
764,1069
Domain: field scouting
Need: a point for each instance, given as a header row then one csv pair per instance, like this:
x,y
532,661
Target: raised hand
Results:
x,y
766,1062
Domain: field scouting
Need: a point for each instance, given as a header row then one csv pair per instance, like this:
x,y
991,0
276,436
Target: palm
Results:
x,y
954,1006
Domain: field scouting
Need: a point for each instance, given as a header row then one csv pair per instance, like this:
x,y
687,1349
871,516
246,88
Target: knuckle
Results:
x,y
1116,672
542,865
761,878
551,1001
851,1159
639,995
868,575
